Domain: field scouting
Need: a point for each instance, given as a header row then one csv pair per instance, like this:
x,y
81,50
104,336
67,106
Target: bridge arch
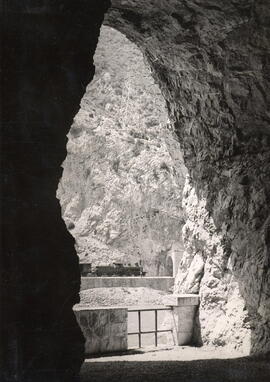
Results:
x,y
170,266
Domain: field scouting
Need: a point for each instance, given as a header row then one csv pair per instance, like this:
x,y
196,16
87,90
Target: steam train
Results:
x,y
117,269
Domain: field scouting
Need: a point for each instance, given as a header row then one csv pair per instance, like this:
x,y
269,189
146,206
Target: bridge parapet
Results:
x,y
105,328
160,283
184,308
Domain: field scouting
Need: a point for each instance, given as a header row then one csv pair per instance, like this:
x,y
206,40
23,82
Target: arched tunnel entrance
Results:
x,y
123,177
212,64
169,267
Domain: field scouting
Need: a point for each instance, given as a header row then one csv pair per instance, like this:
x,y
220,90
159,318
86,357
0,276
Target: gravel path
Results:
x,y
183,364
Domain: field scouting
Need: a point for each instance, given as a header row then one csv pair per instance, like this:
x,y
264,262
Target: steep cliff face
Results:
x,y
206,269
121,190
212,62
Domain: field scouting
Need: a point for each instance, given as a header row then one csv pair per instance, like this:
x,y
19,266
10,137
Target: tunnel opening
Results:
x,y
209,104
217,96
121,189
169,267
215,109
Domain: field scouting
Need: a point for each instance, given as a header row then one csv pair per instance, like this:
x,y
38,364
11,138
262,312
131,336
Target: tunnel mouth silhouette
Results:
x,y
169,267
217,100
202,104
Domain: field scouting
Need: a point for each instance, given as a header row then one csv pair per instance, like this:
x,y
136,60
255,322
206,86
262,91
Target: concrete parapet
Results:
x,y
104,329
181,299
184,309
159,283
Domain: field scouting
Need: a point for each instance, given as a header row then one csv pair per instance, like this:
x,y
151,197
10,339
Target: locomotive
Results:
x,y
116,269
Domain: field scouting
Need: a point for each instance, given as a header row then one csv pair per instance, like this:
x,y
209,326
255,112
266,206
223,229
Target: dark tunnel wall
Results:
x,y
47,61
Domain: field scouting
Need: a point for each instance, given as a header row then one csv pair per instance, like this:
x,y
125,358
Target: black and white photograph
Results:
x,y
135,191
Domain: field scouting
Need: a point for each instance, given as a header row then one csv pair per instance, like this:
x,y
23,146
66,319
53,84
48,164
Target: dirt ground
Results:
x,y
122,296
183,364
165,364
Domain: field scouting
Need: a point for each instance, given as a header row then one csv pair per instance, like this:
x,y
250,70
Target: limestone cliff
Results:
x,y
211,59
121,190
206,269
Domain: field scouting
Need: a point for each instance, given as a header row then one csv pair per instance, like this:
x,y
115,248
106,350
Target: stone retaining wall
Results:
x,y
160,283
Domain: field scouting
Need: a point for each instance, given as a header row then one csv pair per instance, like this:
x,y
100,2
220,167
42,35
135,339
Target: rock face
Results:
x,y
211,60
206,269
121,190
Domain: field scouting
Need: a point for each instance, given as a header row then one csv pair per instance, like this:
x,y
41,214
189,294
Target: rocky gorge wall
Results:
x,y
211,59
121,189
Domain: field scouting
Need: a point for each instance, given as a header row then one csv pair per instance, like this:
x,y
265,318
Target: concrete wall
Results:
x,y
181,319
104,329
184,308
160,283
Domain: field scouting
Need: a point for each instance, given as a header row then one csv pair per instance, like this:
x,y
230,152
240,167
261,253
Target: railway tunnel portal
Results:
x,y
211,60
